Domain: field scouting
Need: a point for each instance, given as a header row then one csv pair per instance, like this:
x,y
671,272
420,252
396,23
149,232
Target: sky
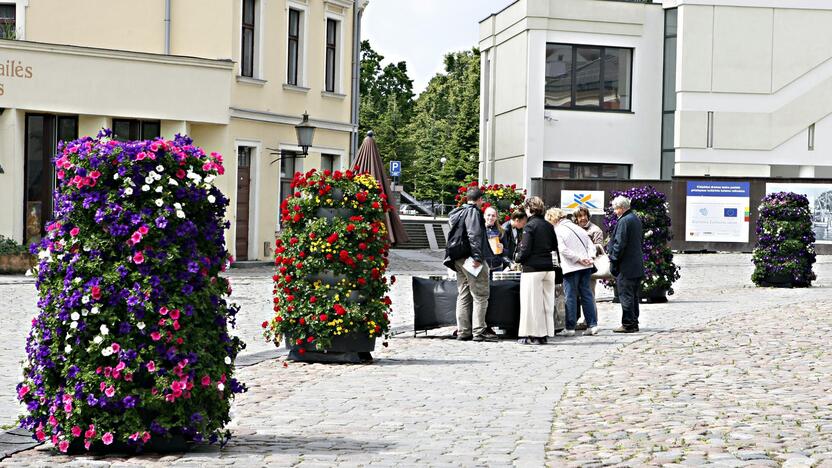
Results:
x,y
421,32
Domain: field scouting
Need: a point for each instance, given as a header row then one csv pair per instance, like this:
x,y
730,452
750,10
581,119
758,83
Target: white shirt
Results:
x,y
574,245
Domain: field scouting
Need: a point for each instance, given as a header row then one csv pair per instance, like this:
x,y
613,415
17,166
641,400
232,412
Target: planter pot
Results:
x,y
158,444
779,280
326,277
16,263
356,297
331,213
353,348
337,194
654,296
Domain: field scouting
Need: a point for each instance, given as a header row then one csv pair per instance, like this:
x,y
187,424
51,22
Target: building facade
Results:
x,y
234,75
605,89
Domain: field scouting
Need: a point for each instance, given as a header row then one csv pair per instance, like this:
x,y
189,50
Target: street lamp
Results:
x,y
442,160
305,132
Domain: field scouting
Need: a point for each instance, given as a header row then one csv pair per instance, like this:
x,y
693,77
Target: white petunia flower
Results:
x,y
104,329
76,280
140,325
159,202
75,316
115,176
149,179
211,199
173,182
160,168
43,254
67,348
159,189
209,179
220,386
128,191
228,360
156,176
180,214
145,188
98,339
84,313
85,300
177,205
108,351
73,325
94,310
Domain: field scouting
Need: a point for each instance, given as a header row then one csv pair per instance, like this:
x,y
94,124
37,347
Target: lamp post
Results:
x,y
442,160
305,132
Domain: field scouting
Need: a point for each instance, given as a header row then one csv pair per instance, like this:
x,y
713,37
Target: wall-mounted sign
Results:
x,y
13,69
820,203
717,211
593,200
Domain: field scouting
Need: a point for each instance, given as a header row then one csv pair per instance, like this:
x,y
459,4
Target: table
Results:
x,y
434,304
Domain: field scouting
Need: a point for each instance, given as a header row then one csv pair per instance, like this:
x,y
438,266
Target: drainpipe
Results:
x,y
357,12
167,27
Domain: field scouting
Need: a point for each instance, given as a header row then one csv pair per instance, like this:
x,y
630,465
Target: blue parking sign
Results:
x,y
395,168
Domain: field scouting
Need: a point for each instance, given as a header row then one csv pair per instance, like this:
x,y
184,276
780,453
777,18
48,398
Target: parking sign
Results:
x,y
395,168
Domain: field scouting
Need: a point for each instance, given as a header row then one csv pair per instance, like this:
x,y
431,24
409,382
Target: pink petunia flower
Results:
x,y
116,347
76,431
23,391
110,391
63,446
155,336
107,438
151,366
143,230
74,231
138,258
206,381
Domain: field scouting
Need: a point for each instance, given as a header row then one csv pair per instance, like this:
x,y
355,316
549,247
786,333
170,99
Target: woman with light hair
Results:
x,y
538,277
577,253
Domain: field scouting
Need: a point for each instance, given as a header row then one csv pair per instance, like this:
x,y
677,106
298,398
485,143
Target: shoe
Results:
x,y
591,331
625,330
581,326
525,341
490,337
542,340
566,333
464,337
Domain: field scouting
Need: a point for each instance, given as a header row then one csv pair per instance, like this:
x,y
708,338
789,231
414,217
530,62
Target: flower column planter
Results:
x,y
131,349
785,250
330,291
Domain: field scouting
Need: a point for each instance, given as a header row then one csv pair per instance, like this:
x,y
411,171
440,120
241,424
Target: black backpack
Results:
x,y
458,246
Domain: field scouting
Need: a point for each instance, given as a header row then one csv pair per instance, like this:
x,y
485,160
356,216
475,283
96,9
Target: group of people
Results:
x,y
549,249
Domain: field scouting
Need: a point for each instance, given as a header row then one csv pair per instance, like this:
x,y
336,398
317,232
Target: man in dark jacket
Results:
x,y
512,233
626,262
472,301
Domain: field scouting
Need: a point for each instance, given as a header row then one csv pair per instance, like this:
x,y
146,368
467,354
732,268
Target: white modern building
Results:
x,y
605,89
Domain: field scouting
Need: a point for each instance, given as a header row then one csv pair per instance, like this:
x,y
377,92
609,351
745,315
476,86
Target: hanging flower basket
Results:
x,y
130,350
650,205
785,248
331,298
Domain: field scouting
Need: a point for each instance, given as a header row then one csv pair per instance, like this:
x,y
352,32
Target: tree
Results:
x,y
445,123
386,106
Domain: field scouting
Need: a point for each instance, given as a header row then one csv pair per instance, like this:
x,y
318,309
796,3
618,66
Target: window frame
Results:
x,y
573,88
9,23
573,166
136,130
293,41
303,19
247,68
331,77
334,161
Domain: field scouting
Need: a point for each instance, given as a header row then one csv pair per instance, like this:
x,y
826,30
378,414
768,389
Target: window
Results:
x,y
132,129
561,170
247,53
588,77
287,173
331,54
294,47
331,162
8,18
668,156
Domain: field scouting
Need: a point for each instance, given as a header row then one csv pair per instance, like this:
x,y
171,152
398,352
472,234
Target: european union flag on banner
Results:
x,y
730,212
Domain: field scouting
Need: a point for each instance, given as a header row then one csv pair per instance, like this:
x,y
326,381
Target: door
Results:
x,y
243,193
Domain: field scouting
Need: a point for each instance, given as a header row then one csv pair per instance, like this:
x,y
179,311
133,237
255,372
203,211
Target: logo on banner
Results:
x,y
593,200
582,200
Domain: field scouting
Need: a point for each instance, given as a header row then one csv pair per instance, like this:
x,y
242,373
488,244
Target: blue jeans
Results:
x,y
576,284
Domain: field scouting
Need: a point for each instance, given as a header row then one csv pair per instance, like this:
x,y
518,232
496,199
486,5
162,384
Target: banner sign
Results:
x,y
571,200
820,204
717,211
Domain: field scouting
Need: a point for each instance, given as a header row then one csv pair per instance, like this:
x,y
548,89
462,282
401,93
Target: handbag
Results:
x,y
560,307
602,264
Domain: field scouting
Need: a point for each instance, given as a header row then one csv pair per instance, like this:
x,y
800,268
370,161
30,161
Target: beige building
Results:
x,y
235,75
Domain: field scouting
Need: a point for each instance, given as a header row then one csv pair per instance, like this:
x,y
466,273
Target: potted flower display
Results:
x,y
660,272
14,257
785,251
505,198
331,300
131,348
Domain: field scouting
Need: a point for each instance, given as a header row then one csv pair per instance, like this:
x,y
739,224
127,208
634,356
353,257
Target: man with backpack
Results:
x,y
467,239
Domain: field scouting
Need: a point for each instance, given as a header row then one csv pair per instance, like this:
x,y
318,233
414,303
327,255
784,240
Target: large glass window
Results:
x,y
133,129
331,162
247,53
294,47
331,54
588,77
668,155
564,170
8,21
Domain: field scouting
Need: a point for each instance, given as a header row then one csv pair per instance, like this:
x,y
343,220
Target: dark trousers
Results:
x,y
628,289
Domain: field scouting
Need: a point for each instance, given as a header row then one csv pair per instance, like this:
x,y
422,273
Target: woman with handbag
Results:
x,y
577,254
537,281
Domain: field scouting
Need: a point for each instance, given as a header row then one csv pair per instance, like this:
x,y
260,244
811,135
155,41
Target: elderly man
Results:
x,y
626,262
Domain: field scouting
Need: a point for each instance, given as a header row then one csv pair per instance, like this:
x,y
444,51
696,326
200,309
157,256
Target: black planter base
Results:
x,y
175,444
351,357
346,349
657,298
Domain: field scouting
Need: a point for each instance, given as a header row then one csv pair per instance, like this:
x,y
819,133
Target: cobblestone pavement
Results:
x,y
435,401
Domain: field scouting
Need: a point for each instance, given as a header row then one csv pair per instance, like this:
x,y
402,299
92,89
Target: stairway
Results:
x,y
417,230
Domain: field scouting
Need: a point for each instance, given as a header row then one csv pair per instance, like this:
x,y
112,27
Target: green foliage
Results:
x,y
10,247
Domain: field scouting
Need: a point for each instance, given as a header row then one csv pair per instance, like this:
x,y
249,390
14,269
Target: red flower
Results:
x,y
362,246
393,279
332,238
362,281
375,205
310,339
312,235
265,324
375,273
96,292
323,317
361,196
339,309
299,341
313,299
302,321
297,217
293,240
350,227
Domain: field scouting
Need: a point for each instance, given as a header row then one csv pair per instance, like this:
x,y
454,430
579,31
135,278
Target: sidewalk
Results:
x,y
439,402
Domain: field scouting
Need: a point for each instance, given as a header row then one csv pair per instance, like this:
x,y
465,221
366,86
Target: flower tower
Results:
x,y
650,205
331,300
505,198
785,251
130,349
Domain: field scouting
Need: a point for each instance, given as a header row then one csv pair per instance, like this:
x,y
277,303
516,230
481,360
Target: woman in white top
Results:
x,y
577,253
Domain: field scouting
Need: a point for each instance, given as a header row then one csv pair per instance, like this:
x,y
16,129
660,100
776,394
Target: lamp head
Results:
x,y
306,132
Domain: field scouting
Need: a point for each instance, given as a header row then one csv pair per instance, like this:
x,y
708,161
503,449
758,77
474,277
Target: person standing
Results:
x,y
472,301
626,262
597,236
494,232
576,251
537,280
512,232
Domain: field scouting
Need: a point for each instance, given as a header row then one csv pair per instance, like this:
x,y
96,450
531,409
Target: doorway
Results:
x,y
243,203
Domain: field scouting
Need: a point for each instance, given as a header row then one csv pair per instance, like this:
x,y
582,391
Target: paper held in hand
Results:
x,y
470,268
496,246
